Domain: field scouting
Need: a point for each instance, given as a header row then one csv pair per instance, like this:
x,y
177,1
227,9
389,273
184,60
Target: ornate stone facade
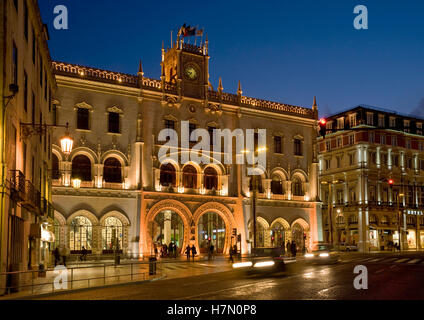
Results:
x,y
190,193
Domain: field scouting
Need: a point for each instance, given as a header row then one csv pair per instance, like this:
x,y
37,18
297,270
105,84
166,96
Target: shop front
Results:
x,y
411,238
373,236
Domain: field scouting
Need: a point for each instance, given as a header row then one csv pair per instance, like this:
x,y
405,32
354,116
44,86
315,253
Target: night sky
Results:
x,y
285,51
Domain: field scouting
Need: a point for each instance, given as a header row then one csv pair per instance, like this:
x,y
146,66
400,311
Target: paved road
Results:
x,y
391,276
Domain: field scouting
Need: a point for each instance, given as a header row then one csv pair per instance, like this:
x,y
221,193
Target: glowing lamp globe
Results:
x,y
66,144
76,183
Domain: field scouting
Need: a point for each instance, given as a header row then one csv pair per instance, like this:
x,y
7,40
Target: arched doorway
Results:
x,y
112,235
298,236
80,234
168,227
262,237
277,235
211,230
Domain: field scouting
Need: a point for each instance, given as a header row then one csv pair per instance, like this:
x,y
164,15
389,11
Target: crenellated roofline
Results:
x,y
124,79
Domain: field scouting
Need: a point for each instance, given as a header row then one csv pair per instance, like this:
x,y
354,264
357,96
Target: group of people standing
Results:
x,y
191,251
291,248
169,251
60,253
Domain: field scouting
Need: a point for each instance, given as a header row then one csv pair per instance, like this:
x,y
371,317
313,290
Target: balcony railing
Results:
x,y
17,185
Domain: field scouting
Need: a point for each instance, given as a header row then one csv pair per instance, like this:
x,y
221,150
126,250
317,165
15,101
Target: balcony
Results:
x,y
17,185
32,198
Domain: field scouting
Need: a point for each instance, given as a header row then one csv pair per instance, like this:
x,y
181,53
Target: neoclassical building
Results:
x,y
372,179
128,194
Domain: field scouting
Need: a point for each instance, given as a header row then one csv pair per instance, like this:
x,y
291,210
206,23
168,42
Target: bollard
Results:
x,y
152,265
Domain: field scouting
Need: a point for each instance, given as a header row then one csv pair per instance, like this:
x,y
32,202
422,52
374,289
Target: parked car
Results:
x,y
265,260
348,247
323,253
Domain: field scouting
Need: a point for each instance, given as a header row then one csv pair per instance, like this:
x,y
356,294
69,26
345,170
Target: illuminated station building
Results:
x,y
371,177
114,193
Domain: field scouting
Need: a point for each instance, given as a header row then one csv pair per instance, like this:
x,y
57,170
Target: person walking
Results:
x,y
193,251
187,252
231,254
288,246
293,248
211,249
63,253
56,255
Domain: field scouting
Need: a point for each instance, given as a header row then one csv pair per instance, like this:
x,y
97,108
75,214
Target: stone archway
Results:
x,y
95,229
299,228
284,233
224,213
174,206
60,229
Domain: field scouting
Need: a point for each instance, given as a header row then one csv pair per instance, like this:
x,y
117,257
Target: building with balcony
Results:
x,y
114,187
27,85
371,177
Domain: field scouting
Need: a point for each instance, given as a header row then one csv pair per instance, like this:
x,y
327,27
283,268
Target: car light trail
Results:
x,y
242,265
264,264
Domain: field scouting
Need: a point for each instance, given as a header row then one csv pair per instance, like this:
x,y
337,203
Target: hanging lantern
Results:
x,y
66,142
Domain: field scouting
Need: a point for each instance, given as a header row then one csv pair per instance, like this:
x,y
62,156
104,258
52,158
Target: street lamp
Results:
x,y
399,195
66,142
29,129
254,185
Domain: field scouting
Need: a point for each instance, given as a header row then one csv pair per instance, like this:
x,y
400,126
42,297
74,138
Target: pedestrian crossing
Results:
x,y
396,260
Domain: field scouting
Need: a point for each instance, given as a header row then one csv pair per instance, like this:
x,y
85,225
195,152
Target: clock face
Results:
x,y
191,73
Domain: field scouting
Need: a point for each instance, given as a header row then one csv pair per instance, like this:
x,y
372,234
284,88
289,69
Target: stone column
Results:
x,y
167,227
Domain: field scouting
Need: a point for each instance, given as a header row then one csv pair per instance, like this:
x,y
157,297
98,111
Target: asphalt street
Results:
x,y
390,276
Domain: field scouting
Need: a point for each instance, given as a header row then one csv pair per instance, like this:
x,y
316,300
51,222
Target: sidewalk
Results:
x,y
98,274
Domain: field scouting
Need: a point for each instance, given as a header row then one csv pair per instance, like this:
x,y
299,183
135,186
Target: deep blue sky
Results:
x,y
286,51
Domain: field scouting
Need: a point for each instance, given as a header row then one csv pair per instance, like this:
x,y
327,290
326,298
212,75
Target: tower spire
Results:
x,y
239,91
220,88
140,70
314,106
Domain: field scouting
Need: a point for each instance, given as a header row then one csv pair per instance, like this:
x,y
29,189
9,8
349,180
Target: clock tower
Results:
x,y
187,66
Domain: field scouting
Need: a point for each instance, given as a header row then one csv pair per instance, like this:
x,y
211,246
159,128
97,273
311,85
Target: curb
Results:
x,y
52,294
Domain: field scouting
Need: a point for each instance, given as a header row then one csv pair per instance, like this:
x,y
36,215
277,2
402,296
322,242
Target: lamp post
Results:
x,y
399,195
254,186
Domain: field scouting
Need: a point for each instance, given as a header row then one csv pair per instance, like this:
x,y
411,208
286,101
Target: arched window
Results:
x,y
277,185
112,235
211,179
373,219
384,220
55,167
80,235
297,187
190,177
81,168
258,179
167,175
112,170
353,219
